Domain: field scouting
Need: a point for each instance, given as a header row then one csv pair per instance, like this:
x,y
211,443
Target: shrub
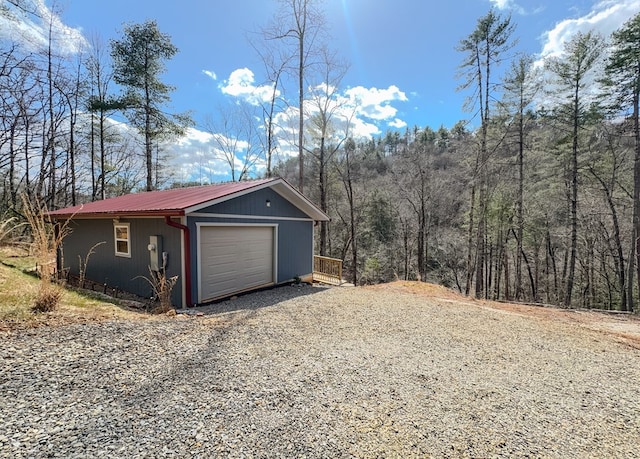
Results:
x,y
48,298
46,238
84,262
162,286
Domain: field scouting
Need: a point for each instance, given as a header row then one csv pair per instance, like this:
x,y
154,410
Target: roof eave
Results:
x,y
119,214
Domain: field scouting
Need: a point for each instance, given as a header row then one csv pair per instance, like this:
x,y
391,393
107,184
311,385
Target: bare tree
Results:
x,y
237,140
18,86
347,168
54,111
412,172
327,128
521,85
275,62
72,95
300,24
606,169
101,105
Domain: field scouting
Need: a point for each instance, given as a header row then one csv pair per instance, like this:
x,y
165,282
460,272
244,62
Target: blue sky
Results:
x,y
402,55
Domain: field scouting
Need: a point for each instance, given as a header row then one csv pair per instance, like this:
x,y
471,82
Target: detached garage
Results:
x,y
218,239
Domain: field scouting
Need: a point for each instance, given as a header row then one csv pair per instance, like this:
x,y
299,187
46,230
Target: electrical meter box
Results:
x,y
155,253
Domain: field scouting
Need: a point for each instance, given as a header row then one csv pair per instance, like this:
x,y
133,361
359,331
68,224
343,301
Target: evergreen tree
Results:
x,y
484,49
622,78
138,60
572,73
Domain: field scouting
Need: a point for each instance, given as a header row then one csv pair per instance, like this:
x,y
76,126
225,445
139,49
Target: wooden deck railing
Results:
x,y
327,270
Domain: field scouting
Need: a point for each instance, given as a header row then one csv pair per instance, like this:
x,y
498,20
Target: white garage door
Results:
x,y
234,258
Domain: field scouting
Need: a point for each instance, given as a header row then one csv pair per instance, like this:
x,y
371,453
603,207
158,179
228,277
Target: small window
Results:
x,y
122,239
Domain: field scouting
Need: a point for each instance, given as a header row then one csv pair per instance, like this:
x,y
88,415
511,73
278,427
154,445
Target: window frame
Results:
x,y
117,239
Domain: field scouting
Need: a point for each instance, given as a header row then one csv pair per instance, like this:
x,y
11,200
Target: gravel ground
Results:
x,y
314,372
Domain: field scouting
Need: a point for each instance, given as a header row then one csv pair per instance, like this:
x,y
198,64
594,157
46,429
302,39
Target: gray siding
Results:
x,y
295,237
105,267
255,204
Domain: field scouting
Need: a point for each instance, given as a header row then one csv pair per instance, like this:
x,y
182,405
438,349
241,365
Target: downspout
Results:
x,y
59,260
187,256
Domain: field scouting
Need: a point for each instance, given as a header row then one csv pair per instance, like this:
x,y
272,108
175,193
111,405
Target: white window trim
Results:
x,y
116,239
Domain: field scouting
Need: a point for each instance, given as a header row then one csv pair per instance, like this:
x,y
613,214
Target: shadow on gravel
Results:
x,y
252,301
201,364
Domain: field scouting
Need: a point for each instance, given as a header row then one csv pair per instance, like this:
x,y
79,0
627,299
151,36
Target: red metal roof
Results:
x,y
172,202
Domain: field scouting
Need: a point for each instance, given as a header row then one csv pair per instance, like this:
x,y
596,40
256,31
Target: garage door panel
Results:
x,y
233,259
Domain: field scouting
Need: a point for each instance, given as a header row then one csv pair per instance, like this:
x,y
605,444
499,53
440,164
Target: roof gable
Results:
x,y
181,201
264,202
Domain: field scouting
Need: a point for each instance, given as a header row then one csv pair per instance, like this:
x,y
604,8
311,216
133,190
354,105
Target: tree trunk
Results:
x,y
520,203
631,271
636,193
323,197
352,221
301,39
574,200
420,249
618,253
103,156
13,192
470,248
92,152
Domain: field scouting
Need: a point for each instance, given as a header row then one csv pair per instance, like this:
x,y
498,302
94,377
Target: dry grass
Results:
x,y
19,292
17,255
46,238
162,287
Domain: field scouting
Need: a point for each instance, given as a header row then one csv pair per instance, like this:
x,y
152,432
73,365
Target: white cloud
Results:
x,y
195,136
502,4
32,30
374,103
198,158
361,129
210,74
360,110
241,84
398,123
511,5
605,17
364,107
363,111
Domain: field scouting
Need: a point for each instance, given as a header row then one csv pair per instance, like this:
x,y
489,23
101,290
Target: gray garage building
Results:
x,y
218,239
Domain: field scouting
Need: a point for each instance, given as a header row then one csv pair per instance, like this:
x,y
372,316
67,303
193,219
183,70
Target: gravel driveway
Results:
x,y
314,372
